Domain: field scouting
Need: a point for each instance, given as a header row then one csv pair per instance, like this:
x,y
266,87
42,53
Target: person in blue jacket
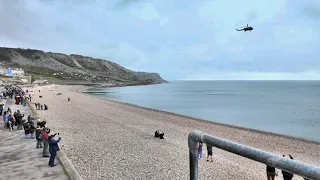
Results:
x,y
53,148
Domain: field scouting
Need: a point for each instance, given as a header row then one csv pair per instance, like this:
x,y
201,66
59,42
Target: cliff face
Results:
x,y
74,69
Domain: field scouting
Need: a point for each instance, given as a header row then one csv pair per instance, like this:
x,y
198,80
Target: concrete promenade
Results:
x,y
19,157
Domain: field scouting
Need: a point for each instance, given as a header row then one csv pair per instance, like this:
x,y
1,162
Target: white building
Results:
x,y
3,70
40,81
17,72
24,81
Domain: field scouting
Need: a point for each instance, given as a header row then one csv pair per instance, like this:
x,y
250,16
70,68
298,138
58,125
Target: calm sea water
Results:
x,y
283,107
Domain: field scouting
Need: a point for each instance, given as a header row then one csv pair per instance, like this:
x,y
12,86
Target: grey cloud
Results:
x,y
21,23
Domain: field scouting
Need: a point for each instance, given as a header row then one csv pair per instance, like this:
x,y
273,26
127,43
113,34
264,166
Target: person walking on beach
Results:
x,y
287,175
200,151
45,138
209,150
53,148
271,172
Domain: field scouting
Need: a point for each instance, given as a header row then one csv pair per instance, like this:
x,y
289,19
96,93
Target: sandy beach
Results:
x,y
113,140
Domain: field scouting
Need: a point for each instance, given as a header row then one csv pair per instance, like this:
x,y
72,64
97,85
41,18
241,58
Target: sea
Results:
x,y
283,107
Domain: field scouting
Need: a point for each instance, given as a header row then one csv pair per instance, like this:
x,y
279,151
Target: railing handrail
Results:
x,y
289,165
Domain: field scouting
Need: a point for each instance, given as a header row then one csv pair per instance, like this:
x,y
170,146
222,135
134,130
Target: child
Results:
x,y
200,150
38,133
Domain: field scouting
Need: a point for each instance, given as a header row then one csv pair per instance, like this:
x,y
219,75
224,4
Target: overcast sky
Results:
x,y
180,39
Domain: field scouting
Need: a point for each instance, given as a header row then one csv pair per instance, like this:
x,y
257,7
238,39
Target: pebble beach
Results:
x,y
105,139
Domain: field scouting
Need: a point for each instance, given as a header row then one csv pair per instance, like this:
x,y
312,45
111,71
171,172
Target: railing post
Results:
x,y
193,139
292,166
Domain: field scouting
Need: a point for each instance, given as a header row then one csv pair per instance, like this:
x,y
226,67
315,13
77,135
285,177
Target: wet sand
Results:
x,y
113,140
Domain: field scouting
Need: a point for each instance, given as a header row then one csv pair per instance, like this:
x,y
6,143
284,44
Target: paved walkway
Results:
x,y
19,157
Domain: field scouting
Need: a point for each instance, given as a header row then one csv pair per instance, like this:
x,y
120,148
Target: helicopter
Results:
x,y
246,28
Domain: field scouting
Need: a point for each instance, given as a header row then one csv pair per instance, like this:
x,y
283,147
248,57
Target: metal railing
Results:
x,y
295,167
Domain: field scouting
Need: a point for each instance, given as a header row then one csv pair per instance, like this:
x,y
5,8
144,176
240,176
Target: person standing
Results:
x,y
200,151
209,150
24,101
38,136
287,175
45,138
271,172
31,129
5,119
19,117
53,149
26,127
12,121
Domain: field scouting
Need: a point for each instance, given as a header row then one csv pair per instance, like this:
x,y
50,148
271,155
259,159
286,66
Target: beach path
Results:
x,y
19,157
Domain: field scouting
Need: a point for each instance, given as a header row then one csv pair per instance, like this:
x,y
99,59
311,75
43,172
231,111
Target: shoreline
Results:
x,y
113,140
208,121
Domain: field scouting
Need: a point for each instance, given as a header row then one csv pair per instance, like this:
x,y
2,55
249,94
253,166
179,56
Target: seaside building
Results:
x,y
14,72
24,81
3,70
18,72
40,81
9,72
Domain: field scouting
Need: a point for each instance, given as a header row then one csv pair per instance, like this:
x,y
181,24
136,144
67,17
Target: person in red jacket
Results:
x,y
45,140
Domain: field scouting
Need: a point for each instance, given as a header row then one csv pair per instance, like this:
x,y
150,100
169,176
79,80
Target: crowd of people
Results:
x,y
271,171
41,133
